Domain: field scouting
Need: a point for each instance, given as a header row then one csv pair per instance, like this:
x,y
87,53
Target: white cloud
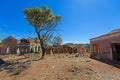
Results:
x,y
76,42
18,37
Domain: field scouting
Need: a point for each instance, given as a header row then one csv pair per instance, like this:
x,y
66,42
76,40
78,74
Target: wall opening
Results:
x,y
116,51
96,50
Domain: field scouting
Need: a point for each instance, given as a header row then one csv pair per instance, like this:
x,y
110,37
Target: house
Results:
x,y
9,45
106,46
12,45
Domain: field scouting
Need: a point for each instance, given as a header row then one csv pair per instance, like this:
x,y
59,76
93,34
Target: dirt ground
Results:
x,y
56,67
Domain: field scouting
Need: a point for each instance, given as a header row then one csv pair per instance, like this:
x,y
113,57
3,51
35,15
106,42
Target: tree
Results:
x,y
0,38
30,37
56,41
43,21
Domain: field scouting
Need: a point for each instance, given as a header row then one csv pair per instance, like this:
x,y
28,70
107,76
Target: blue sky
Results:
x,y
81,19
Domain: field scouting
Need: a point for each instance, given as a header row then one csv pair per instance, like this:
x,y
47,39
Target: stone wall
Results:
x,y
59,49
14,46
9,45
65,49
79,49
104,43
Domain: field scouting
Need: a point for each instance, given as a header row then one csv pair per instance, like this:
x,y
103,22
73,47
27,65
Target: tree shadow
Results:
x,y
15,67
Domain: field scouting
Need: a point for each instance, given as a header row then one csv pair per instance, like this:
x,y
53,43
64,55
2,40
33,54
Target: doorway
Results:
x,y
96,50
116,51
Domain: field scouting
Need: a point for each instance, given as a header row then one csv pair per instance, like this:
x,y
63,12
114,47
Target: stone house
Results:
x,y
106,46
27,46
9,45
12,45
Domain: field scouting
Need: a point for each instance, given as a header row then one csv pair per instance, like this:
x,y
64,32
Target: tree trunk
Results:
x,y
42,46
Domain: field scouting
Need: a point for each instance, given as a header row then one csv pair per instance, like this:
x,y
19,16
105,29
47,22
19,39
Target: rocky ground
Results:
x,y
56,67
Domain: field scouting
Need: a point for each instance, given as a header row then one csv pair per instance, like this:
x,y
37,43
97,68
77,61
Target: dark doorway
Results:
x,y
96,50
116,51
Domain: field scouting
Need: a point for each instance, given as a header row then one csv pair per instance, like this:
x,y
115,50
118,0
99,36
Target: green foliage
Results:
x,y
30,37
45,41
0,38
56,41
34,39
42,19
87,47
70,44
0,44
44,22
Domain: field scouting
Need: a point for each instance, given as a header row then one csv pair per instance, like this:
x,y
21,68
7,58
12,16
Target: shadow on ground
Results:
x,y
14,67
112,63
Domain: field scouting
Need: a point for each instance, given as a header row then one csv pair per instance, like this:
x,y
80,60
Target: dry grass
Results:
x,y
56,67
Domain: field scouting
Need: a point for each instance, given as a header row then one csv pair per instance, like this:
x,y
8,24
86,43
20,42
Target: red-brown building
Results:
x,y
106,46
12,45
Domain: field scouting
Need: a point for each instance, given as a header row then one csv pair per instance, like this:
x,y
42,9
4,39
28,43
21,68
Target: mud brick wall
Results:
x,y
105,49
59,49
65,49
